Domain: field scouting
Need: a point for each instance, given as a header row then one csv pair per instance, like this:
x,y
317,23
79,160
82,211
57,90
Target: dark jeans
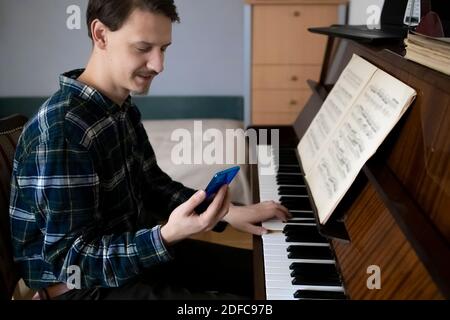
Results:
x,y
200,270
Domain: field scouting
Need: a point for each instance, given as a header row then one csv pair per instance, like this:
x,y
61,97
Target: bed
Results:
x,y
165,137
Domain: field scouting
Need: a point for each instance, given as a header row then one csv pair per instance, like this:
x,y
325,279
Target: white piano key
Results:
x,y
280,239
278,225
286,277
283,285
290,221
272,249
281,255
287,244
274,296
277,270
281,291
274,261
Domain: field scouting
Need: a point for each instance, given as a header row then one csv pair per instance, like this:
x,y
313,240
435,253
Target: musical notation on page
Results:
x,y
358,114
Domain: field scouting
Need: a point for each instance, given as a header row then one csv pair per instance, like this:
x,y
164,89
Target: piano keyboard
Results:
x,y
298,261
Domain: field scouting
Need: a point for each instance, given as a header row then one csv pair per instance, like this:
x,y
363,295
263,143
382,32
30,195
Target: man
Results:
x,y
88,196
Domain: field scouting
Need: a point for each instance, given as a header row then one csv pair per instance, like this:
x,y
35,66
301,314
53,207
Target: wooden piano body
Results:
x,y
398,217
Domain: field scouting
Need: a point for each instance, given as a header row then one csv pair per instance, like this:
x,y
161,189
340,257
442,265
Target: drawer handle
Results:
x,y
293,102
294,78
297,13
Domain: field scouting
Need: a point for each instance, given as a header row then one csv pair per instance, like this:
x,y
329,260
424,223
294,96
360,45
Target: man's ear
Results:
x,y
99,34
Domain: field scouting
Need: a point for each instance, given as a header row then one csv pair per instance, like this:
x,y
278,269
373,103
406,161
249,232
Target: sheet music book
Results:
x,y
431,52
357,115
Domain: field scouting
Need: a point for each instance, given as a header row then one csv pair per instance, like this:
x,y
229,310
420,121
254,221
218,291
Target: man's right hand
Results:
x,y
184,222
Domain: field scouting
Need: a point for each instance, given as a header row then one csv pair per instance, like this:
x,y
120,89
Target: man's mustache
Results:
x,y
147,73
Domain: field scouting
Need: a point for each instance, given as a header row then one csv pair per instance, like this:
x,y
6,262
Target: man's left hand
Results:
x,y
246,218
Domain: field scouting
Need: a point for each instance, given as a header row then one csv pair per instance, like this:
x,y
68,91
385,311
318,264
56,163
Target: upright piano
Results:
x,y
394,222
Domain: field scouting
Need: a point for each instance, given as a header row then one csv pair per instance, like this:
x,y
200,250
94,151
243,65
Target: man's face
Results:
x,y
136,51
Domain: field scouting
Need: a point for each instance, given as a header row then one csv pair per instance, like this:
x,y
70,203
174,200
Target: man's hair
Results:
x,y
113,13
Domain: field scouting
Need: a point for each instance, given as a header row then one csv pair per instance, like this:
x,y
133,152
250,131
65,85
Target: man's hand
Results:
x,y
184,222
245,218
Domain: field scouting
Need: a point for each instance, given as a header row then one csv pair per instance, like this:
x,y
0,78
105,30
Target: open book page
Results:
x,y
356,138
352,80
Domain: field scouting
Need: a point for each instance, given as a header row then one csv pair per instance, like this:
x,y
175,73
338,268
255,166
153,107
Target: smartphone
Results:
x,y
218,180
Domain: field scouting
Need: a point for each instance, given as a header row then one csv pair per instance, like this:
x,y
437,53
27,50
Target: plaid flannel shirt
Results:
x,y
87,191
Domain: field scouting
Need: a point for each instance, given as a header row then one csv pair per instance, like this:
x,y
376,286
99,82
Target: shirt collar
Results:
x,y
68,82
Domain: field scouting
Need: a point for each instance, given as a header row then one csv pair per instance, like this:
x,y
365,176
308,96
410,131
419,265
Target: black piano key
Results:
x,y
288,169
313,274
288,150
300,221
294,199
302,233
289,165
290,161
288,176
287,198
301,202
284,151
302,199
296,191
303,214
283,165
302,237
285,154
318,281
317,269
283,175
290,179
301,229
289,172
296,207
296,203
313,294
309,252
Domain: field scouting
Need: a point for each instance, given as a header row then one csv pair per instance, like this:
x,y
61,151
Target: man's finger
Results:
x,y
197,198
216,204
257,230
284,209
225,205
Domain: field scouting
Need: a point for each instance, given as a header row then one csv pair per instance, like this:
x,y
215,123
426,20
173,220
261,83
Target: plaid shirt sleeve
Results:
x,y
57,183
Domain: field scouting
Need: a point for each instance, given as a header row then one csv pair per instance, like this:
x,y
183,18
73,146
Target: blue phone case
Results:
x,y
217,181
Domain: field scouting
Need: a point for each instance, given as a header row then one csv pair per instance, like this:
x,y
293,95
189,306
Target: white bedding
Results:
x,y
196,176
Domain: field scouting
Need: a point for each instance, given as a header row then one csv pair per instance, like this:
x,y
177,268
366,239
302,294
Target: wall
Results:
x,y
357,10
206,57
